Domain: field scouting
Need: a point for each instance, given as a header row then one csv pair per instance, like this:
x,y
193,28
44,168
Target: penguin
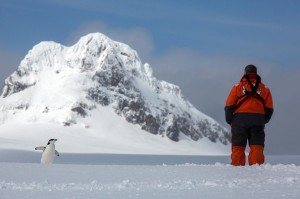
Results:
x,y
49,152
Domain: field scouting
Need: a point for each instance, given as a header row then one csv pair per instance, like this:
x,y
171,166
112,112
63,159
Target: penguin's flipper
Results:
x,y
40,148
56,153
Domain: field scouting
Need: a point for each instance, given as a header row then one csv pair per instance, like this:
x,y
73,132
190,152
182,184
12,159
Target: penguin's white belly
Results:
x,y
48,155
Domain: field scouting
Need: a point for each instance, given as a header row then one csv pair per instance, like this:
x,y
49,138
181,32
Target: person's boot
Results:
x,y
238,157
256,155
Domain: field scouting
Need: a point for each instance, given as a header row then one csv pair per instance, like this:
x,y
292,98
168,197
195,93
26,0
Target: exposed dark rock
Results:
x,y
173,132
79,110
69,123
151,124
22,106
14,87
46,110
99,96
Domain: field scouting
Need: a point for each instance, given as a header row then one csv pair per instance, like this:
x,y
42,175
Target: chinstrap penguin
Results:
x,y
49,152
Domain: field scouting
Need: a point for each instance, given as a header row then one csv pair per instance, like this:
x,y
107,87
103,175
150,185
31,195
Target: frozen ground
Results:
x,y
145,177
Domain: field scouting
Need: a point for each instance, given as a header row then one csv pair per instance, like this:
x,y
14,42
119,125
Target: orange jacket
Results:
x,y
241,100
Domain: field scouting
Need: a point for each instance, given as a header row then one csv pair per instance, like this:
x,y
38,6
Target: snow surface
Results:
x,y
144,177
107,137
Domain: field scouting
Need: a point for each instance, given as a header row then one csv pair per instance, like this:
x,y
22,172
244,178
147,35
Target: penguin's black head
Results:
x,y
52,141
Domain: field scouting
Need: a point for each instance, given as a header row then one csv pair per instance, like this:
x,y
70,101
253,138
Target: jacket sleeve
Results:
x,y
268,107
229,110
230,105
268,114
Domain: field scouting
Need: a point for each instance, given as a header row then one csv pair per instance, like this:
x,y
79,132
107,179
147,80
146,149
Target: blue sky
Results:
x,y
239,27
200,45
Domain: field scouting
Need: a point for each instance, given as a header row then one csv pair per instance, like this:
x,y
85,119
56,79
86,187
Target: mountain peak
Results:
x,y
70,85
95,38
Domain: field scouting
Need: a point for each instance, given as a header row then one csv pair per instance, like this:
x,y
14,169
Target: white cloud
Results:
x,y
206,80
203,77
138,38
9,63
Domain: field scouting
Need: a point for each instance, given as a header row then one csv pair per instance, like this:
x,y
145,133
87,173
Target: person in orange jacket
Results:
x,y
249,107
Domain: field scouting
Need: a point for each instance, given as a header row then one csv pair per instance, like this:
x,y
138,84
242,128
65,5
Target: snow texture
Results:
x,y
145,181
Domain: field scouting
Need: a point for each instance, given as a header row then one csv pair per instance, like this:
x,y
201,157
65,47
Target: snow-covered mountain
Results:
x,y
100,86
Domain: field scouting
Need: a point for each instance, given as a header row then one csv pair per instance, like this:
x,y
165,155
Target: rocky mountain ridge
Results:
x,y
60,84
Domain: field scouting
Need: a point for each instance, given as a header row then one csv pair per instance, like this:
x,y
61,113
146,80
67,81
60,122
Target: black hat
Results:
x,y
250,69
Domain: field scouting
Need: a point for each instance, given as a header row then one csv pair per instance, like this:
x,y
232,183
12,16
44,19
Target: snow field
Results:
x,y
20,180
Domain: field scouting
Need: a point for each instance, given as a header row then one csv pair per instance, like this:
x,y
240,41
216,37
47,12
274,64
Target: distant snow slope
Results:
x,y
105,137
97,96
